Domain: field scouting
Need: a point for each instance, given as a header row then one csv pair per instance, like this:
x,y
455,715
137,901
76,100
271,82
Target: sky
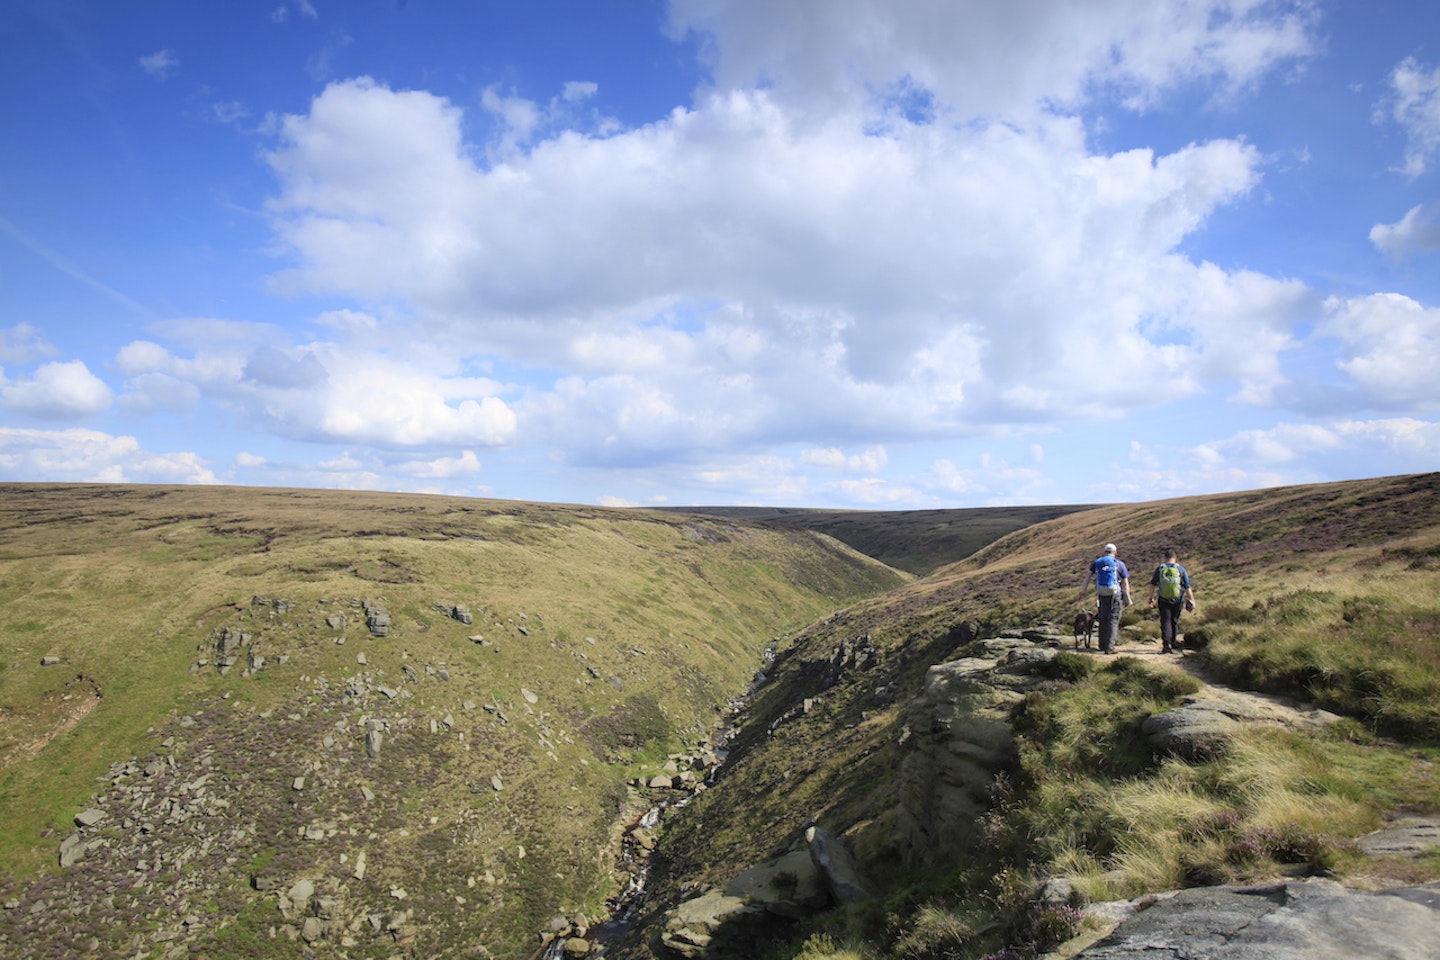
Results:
x,y
872,254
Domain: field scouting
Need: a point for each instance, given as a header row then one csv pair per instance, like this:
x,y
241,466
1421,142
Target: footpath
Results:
x,y
1285,919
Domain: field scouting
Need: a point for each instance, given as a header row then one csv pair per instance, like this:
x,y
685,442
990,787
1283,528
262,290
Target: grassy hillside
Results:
x,y
1329,593
916,541
600,641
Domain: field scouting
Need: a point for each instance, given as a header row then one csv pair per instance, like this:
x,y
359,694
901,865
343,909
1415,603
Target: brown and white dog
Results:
x,y
1085,626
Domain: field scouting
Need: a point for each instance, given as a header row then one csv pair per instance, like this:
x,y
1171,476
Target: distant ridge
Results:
x,y
916,541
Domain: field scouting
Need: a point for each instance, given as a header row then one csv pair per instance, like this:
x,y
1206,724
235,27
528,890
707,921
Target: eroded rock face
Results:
x,y
1313,919
960,736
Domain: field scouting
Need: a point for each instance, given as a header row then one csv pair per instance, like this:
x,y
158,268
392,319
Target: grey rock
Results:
x,y
1202,727
374,740
89,818
377,620
49,661
1405,837
691,926
1194,731
789,886
1314,919
462,613
73,849
301,891
837,866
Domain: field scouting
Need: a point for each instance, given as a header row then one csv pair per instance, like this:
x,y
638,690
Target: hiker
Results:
x,y
1112,586
1171,590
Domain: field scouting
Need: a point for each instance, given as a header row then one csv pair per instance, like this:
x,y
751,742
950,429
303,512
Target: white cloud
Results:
x,y
23,343
763,281
321,392
305,8
985,59
1390,348
57,391
1414,104
160,63
90,456
576,90
1416,232
228,111
1288,453
249,461
991,479
872,460
442,468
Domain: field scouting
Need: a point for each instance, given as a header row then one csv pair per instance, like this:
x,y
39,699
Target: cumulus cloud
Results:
x,y
1414,104
1416,232
776,280
982,59
91,456
60,390
1390,348
1287,453
320,392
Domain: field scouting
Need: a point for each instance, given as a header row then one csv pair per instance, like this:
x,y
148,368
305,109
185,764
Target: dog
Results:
x,y
1084,627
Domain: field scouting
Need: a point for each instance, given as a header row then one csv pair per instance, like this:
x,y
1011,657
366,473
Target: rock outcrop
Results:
x,y
1313,919
958,736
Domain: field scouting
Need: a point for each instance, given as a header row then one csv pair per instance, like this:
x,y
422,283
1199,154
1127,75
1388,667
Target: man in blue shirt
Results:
x,y
1112,586
1170,588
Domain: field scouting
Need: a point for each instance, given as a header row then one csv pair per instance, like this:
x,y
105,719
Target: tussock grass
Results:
x,y
1365,647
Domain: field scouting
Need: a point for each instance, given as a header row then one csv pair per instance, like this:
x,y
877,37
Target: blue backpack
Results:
x,y
1106,582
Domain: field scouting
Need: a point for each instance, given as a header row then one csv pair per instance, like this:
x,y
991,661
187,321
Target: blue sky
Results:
x,y
838,253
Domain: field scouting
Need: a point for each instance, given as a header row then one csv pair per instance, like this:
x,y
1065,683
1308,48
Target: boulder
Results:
x,y
1314,919
1202,726
1193,731
835,864
790,886
691,926
89,818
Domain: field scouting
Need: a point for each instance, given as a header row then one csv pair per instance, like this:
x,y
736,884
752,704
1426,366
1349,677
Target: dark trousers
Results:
x,y
1110,610
1170,611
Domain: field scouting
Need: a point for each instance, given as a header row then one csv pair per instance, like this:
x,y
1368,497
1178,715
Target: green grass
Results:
x,y
1368,649
129,595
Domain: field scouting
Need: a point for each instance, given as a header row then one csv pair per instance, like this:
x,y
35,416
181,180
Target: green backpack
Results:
x,y
1169,581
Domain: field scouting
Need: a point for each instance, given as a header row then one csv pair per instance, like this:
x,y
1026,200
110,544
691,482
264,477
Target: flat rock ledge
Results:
x,y
1286,920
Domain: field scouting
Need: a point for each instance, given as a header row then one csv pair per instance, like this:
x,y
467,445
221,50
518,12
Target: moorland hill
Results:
x,y
269,723
993,782
426,712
